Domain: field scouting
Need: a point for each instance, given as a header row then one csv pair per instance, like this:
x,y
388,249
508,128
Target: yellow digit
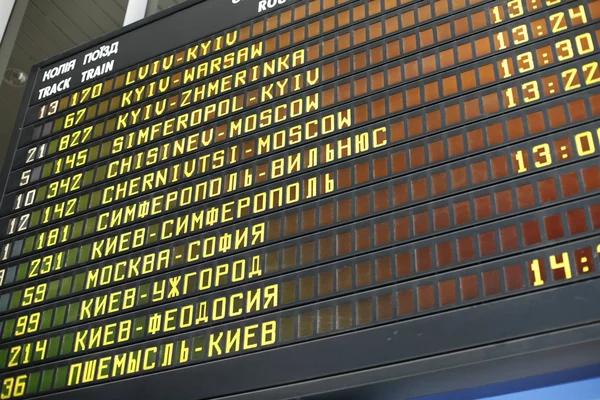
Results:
x,y
564,265
69,120
34,322
515,8
564,49
52,190
84,94
506,64
28,296
520,34
558,22
81,115
520,161
589,147
20,386
58,165
510,97
543,151
74,99
63,143
40,240
591,73
65,233
75,139
46,218
578,12
52,237
15,353
537,274
97,90
496,13
531,91
570,76
35,264
501,41
585,43
527,60
87,133
59,260
40,292
47,265
70,161
82,157
76,183
21,327
7,388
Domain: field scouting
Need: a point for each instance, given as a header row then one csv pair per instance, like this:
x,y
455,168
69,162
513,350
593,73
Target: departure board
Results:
x,y
240,195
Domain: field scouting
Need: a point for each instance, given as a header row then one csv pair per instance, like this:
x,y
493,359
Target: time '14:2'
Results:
x,y
560,265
